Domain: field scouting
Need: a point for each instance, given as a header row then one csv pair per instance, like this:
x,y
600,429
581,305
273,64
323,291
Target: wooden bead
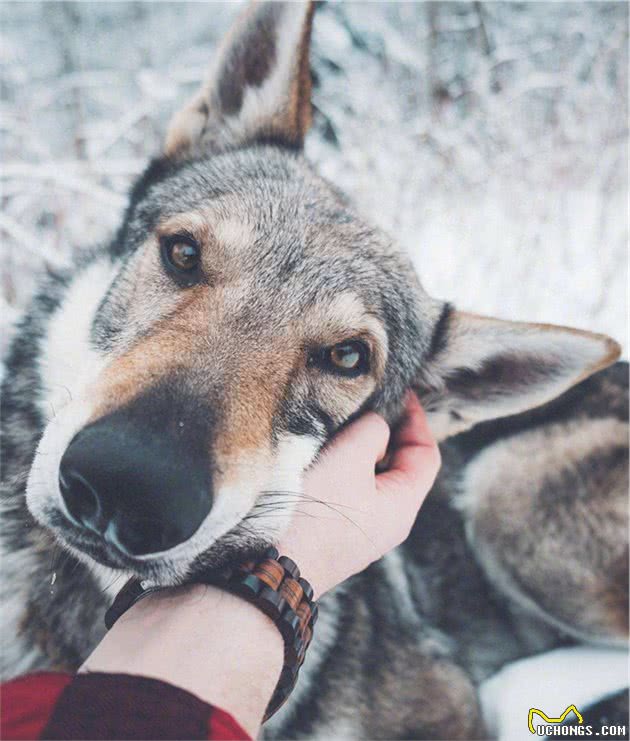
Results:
x,y
288,625
308,634
271,603
299,649
270,572
292,592
304,613
247,586
308,589
290,566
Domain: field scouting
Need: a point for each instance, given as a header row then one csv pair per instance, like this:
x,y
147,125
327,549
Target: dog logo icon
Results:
x,y
547,719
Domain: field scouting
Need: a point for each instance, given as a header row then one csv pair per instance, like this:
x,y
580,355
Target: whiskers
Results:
x,y
112,583
285,502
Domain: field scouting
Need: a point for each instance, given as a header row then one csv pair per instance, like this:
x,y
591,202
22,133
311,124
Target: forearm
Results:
x,y
204,640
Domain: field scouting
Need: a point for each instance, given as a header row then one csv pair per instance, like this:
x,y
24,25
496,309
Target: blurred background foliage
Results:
x,y
489,138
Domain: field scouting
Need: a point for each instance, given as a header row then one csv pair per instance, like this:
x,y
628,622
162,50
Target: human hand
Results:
x,y
351,516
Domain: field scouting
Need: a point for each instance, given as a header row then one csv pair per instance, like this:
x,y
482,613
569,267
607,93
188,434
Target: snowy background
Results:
x,y
489,138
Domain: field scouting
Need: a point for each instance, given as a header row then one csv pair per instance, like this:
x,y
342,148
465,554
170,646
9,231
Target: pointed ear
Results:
x,y
259,87
482,368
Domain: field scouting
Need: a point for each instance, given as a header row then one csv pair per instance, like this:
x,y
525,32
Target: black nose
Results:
x,y
142,489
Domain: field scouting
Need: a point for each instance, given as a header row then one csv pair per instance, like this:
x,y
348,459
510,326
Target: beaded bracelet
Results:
x,y
274,585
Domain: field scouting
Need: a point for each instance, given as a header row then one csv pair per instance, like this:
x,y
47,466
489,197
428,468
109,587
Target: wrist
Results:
x,y
204,640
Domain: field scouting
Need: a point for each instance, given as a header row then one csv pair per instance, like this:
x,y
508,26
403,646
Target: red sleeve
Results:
x,y
27,703
108,706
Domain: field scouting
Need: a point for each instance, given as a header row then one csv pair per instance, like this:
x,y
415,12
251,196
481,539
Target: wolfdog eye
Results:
x,y
350,358
181,255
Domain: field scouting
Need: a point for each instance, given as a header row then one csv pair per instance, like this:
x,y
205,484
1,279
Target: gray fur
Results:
x,y
401,648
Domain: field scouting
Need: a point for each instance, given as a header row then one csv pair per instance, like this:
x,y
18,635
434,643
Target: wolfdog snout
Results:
x,y
140,478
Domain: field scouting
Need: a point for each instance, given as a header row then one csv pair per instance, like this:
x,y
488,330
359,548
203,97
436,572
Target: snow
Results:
x,y
488,138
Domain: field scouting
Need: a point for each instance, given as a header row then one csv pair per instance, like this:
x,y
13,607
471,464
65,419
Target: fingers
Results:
x,y
368,435
415,459
415,428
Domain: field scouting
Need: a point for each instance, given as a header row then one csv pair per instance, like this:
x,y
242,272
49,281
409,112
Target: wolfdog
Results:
x,y
163,391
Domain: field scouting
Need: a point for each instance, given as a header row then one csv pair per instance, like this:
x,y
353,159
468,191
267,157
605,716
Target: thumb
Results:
x,y
367,436
415,459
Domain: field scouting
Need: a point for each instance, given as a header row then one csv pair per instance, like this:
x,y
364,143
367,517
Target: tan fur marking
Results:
x,y
186,125
192,222
168,347
233,234
254,397
299,111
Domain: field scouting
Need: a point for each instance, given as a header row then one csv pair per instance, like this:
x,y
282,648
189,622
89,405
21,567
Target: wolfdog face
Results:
x,y
241,316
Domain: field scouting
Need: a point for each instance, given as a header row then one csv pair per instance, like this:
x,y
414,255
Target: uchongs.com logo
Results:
x,y
554,726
